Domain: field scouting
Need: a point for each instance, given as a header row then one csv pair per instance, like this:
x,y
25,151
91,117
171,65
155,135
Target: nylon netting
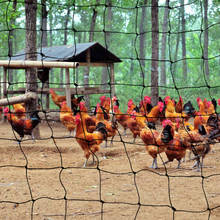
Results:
x,y
95,192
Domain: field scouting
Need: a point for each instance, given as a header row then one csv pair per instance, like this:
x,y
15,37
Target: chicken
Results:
x,y
89,142
89,121
19,110
134,126
175,148
67,118
201,117
196,141
149,136
111,127
211,107
58,100
23,126
170,112
154,114
75,103
106,104
1,111
213,127
127,122
155,143
131,106
179,105
119,116
145,105
189,110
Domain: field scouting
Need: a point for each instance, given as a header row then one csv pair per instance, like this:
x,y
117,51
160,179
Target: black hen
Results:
x,y
167,134
214,102
102,128
189,109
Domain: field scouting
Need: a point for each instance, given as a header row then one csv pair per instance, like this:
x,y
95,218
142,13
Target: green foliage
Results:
x,y
124,36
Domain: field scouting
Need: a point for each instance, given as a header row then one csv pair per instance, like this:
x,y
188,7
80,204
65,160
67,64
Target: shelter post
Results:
x,y
112,79
68,92
5,82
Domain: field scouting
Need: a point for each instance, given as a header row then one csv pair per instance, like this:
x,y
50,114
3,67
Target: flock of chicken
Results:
x,y
176,137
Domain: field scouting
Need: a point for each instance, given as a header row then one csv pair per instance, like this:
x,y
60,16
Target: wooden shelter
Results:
x,y
90,54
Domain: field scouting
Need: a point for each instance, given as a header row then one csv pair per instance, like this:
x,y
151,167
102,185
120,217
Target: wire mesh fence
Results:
x,y
38,176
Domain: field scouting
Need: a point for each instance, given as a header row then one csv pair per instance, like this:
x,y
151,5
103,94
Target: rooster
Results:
x,y
23,126
175,148
170,112
120,117
179,105
111,127
89,142
58,100
213,127
105,102
131,106
89,121
145,105
154,114
196,141
126,121
19,110
155,142
67,118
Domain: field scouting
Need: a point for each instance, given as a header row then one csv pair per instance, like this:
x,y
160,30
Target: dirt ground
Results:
x,y
45,180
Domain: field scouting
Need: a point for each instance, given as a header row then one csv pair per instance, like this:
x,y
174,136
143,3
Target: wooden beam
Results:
x,y
18,99
68,91
92,64
75,91
23,64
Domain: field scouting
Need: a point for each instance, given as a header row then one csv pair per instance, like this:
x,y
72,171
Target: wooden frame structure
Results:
x,y
85,57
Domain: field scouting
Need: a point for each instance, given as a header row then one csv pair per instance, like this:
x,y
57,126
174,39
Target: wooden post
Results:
x,y
86,77
68,91
5,82
112,79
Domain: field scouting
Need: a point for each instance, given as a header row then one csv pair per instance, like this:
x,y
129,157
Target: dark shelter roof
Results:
x,y
73,53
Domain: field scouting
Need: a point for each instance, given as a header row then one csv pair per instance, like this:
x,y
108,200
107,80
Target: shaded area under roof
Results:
x,y
73,53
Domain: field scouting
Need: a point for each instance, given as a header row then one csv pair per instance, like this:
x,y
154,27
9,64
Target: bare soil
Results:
x,y
45,180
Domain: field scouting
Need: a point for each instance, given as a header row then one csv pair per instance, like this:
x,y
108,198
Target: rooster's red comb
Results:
x,y
166,122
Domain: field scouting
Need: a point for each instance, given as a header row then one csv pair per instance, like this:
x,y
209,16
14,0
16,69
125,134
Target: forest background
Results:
x,y
171,49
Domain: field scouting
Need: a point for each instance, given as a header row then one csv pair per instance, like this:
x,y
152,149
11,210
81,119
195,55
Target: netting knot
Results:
x,y
173,208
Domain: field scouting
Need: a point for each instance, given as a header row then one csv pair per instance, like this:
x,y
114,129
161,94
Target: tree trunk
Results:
x,y
44,43
44,23
64,42
143,39
105,71
31,74
183,24
206,39
163,49
177,46
51,75
87,69
155,52
11,39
